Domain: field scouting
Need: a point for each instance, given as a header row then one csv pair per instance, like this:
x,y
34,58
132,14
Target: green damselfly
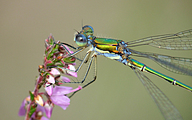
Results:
x,y
120,51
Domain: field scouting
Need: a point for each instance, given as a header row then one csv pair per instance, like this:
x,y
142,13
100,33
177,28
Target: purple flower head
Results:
x,y
71,73
48,109
49,89
59,97
50,79
22,109
56,61
54,75
50,41
54,72
38,114
64,79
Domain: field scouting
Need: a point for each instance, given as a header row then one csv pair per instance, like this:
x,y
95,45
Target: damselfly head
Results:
x,y
82,37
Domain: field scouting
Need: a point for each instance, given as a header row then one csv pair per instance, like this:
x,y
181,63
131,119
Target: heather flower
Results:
x,y
48,109
50,79
71,73
56,61
49,89
37,115
59,97
22,109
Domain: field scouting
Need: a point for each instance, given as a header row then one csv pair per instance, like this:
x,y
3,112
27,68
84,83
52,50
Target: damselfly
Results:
x,y
120,51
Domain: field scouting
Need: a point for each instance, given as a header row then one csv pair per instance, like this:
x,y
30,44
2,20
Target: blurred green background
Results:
x,y
117,93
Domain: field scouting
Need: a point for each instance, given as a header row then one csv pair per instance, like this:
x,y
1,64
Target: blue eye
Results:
x,y
88,30
80,40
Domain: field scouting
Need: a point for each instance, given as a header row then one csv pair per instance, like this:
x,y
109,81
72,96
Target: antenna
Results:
x,y
76,31
82,23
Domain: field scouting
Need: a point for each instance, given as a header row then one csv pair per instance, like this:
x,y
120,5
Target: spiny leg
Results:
x,y
69,45
95,75
84,60
94,56
76,52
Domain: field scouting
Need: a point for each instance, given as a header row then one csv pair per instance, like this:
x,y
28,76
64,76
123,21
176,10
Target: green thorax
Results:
x,y
107,45
107,41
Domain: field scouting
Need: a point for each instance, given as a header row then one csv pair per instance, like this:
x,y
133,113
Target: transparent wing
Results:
x,y
166,107
175,64
178,41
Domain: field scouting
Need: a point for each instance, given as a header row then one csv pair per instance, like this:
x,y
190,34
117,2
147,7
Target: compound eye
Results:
x,y
80,40
88,30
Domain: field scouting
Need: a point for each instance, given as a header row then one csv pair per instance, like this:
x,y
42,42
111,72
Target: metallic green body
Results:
x,y
105,44
106,41
145,68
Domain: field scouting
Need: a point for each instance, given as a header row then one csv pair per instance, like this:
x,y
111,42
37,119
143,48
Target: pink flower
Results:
x,y
48,109
50,79
49,89
22,109
72,72
64,79
54,72
59,97
54,75
37,115
56,61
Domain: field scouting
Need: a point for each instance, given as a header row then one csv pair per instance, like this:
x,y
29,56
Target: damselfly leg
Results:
x,y
91,60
